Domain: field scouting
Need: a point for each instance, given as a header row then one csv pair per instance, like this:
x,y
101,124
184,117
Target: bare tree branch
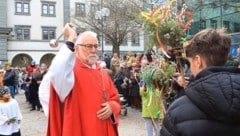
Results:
x,y
116,26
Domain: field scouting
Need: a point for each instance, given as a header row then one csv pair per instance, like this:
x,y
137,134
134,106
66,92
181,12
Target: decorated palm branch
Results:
x,y
167,30
165,27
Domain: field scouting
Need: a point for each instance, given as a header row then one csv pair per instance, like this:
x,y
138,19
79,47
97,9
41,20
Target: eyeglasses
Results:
x,y
90,46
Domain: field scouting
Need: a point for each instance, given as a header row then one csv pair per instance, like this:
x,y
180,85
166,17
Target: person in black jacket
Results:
x,y
211,106
9,79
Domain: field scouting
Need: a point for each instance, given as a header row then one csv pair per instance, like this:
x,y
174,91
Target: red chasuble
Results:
x,y
77,116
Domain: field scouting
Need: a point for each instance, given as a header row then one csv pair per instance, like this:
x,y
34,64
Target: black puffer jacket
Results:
x,y
211,106
9,78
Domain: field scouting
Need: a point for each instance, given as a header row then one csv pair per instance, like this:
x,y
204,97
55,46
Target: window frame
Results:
x,y
48,10
135,38
125,42
94,8
214,24
22,35
22,7
236,27
48,30
202,24
226,24
79,11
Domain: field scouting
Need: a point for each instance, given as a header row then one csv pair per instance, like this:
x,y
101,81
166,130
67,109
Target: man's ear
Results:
x,y
200,62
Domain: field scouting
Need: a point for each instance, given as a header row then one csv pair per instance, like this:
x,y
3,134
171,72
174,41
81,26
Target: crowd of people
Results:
x,y
27,79
12,80
204,94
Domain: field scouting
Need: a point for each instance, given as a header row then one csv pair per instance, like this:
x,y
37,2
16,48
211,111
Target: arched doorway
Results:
x,y
47,59
21,60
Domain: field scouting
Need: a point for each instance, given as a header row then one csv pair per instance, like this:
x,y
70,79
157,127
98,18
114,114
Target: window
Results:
x,y
48,9
48,33
94,8
236,27
125,42
202,24
108,42
22,32
214,24
226,25
22,7
135,39
80,9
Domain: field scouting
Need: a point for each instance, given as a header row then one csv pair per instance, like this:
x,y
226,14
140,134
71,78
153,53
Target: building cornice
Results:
x,y
5,30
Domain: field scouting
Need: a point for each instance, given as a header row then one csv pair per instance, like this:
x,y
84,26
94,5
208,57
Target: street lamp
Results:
x,y
100,15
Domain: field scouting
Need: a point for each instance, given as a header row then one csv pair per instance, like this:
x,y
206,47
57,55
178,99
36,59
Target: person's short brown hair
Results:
x,y
211,44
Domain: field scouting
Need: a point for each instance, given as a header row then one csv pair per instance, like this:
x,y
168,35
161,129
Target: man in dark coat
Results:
x,y
211,106
9,79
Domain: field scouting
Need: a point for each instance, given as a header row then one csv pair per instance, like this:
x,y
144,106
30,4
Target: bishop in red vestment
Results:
x,y
77,95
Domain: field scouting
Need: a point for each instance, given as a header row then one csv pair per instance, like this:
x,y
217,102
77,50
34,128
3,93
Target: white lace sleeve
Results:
x,y
60,74
44,93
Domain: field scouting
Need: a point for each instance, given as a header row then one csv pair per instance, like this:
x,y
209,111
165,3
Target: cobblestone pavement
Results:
x,y
34,123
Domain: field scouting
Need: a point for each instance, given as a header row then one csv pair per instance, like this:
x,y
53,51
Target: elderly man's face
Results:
x,y
87,50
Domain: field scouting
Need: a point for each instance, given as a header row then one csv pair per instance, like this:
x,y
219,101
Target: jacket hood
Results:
x,y
216,91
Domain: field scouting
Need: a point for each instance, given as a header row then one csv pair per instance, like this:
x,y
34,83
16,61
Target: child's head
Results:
x,y
4,93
